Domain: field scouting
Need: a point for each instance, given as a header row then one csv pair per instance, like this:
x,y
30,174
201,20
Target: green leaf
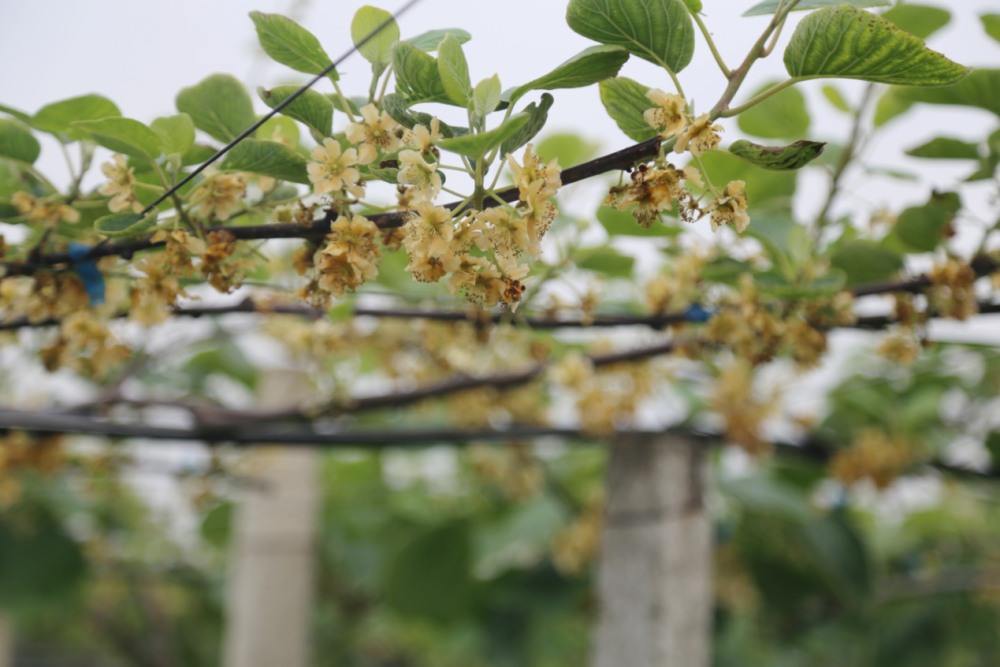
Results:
x,y
841,556
378,49
219,107
836,98
991,24
776,284
891,105
569,149
606,260
778,158
486,97
866,262
922,227
20,115
312,109
590,66
725,270
477,145
417,76
176,133
17,142
693,5
979,90
946,148
431,575
771,6
123,135
268,158
660,31
120,225
993,447
39,562
848,42
918,20
537,115
396,107
454,71
621,223
431,40
625,101
57,118
781,116
290,44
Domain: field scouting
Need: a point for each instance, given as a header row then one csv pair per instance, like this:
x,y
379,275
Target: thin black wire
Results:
x,y
268,116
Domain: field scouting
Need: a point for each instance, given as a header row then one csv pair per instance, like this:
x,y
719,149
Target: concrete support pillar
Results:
x,y
654,580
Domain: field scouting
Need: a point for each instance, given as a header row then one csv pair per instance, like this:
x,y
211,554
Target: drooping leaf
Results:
x,y
312,109
290,44
836,98
123,135
57,118
866,261
16,113
268,158
378,49
477,145
771,6
848,42
782,116
537,115
396,107
219,106
454,71
946,148
120,225
918,20
778,158
417,76
922,228
625,100
660,31
590,66
431,40
486,97
991,24
176,133
17,142
979,90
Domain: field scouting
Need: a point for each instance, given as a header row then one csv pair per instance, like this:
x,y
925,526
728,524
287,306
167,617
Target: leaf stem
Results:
x,y
773,90
711,43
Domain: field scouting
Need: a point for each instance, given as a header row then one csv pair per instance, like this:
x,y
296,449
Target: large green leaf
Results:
x,y
946,148
176,133
866,262
39,562
771,6
268,158
779,158
477,145
918,20
537,115
625,101
569,149
432,574
848,42
922,228
124,135
378,49
454,71
991,24
57,118
781,116
588,67
310,108
417,76
17,142
979,89
605,260
290,44
660,31
486,97
431,40
219,106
